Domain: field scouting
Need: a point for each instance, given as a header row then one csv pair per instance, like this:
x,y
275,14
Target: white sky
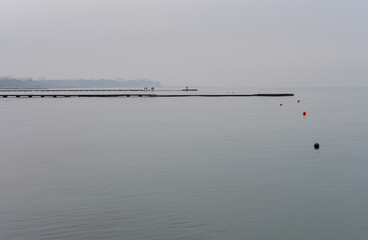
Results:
x,y
262,43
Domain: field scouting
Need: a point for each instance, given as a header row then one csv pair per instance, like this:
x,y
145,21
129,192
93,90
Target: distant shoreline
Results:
x,y
13,83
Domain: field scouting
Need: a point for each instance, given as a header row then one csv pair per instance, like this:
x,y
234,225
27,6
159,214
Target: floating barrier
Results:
x,y
63,94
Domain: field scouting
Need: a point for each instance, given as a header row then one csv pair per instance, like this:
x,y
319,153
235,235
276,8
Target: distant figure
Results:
x,y
152,89
186,88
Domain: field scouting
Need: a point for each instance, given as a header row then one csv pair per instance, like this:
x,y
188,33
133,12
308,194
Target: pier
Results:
x,y
90,90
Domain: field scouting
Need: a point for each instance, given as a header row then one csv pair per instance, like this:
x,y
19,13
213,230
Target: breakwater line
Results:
x,y
65,95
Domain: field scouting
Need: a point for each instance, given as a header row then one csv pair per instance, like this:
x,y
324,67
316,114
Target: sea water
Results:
x,y
186,168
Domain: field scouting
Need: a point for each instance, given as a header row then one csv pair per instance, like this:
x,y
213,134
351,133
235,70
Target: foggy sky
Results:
x,y
263,43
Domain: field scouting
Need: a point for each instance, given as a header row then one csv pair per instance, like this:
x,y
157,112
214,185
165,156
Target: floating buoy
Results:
x,y
316,146
298,100
304,113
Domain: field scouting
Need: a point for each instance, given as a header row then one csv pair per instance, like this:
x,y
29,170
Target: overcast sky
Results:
x,y
188,42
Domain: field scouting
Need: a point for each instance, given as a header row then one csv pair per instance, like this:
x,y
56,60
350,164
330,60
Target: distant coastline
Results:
x,y
10,82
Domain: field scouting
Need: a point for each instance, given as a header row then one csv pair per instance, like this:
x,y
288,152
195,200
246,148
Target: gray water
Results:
x,y
185,168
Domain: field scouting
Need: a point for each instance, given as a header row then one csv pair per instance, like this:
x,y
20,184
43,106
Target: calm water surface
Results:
x,y
185,168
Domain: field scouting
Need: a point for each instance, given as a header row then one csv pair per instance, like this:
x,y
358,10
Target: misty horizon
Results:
x,y
207,43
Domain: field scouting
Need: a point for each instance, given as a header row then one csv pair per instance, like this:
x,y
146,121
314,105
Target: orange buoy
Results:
x,y
304,113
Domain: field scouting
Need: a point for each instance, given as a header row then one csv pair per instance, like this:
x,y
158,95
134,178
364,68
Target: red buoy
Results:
x,y
298,100
304,113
